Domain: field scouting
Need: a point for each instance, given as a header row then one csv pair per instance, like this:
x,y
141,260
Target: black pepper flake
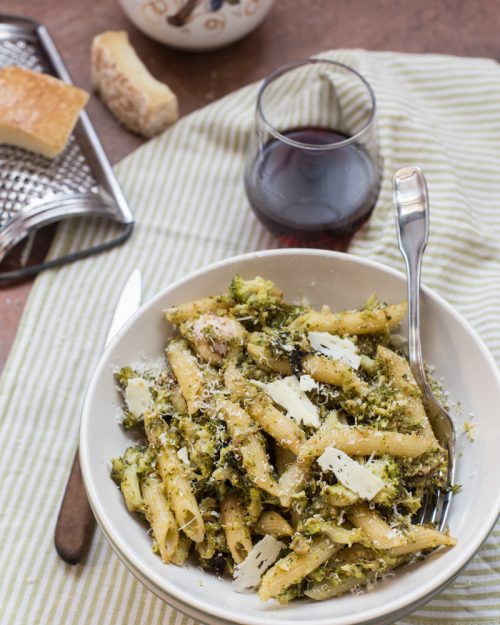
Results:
x,y
296,361
232,461
217,564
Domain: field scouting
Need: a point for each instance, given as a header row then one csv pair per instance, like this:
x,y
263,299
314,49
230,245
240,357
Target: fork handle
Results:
x,y
75,523
411,203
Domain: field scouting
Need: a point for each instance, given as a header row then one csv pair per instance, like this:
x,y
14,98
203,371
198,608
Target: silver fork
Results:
x,y
411,205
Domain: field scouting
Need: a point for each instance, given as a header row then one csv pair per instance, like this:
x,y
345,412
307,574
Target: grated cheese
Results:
x,y
182,454
287,393
335,348
357,477
263,554
137,396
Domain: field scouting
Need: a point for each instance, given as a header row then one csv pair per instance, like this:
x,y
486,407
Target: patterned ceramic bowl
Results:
x,y
196,24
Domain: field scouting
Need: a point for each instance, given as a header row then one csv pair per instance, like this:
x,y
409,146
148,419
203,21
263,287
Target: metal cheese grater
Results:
x,y
36,191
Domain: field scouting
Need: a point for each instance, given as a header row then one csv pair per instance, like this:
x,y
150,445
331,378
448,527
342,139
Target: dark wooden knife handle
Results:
x,y
75,522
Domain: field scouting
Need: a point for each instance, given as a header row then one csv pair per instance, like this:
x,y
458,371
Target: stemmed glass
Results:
x,y
312,174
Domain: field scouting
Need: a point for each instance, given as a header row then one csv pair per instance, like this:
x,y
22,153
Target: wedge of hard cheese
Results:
x,y
139,101
37,111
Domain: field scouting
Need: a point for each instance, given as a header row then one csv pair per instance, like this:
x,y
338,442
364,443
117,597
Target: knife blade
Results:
x,y
128,302
75,522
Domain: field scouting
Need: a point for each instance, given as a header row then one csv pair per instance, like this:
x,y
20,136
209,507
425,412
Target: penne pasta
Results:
x,y
342,582
246,440
189,310
263,357
330,588
419,538
187,373
292,482
381,535
131,489
237,533
285,431
270,522
178,401
160,518
294,477
181,554
336,372
352,321
402,379
180,494
294,567
365,442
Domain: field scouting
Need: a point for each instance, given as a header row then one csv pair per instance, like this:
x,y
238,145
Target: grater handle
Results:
x,y
75,523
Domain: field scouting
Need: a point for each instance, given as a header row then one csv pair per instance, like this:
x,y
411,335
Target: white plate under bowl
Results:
x,y
342,281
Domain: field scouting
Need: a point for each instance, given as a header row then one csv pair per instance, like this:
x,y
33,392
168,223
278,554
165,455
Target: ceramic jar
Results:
x,y
196,24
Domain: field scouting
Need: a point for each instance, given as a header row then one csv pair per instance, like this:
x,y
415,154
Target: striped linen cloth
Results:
x,y
186,190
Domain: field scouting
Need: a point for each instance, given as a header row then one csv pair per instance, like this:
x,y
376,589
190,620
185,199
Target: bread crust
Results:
x,y
140,102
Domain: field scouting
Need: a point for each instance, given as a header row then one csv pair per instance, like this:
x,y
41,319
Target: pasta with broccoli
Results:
x,y
284,447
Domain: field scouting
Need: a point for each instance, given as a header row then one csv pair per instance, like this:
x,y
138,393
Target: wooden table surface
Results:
x,y
294,29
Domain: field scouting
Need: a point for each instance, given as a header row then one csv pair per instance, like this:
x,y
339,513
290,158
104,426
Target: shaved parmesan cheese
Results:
x,y
335,348
307,383
357,477
287,393
182,454
137,396
263,554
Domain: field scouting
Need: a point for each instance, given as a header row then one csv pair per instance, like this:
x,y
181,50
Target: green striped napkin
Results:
x,y
186,190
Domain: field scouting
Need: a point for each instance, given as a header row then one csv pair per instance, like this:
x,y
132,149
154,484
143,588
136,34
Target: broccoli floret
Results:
x,y
391,494
257,292
291,593
129,420
118,466
135,464
428,471
253,505
258,302
123,375
336,533
388,470
141,458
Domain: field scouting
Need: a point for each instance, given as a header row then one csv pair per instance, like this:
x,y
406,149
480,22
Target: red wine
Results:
x,y
312,197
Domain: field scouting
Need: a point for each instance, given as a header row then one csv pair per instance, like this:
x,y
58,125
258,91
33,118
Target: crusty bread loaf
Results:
x,y
139,101
37,112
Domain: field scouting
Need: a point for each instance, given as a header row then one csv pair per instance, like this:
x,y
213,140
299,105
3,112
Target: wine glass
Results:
x,y
312,174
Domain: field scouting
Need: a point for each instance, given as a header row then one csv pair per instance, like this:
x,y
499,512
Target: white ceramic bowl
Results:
x,y
342,281
204,28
